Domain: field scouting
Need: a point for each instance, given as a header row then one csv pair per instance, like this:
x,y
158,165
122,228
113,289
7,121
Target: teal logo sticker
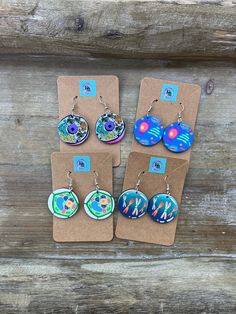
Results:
x,y
88,88
81,163
157,165
169,92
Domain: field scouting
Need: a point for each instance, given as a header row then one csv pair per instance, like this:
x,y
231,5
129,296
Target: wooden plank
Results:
x,y
28,120
137,29
189,285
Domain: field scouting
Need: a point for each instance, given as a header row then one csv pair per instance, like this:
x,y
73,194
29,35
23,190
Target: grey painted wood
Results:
x,y
136,29
188,285
196,275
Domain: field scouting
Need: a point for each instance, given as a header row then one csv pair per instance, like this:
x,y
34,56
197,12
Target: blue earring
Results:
x,y
73,129
163,208
178,136
133,203
148,130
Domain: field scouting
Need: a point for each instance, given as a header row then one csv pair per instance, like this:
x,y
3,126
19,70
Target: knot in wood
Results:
x,y
79,24
113,34
209,87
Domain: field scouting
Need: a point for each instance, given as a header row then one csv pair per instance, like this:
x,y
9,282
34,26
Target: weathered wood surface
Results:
x,y
196,275
189,286
141,29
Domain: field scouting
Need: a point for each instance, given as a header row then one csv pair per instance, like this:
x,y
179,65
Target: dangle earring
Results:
x,y
163,208
99,204
73,129
64,203
110,127
133,203
178,136
148,130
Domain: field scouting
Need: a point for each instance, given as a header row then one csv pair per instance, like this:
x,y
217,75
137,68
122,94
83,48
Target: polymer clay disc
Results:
x,y
163,208
178,137
148,130
63,203
132,204
73,130
110,128
99,204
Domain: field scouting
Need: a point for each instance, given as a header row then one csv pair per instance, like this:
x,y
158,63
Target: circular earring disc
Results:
x,y
163,208
178,137
148,130
99,204
110,128
132,204
73,130
63,203
118,139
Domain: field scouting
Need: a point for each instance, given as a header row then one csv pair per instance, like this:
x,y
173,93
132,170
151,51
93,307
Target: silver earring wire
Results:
x,y
151,106
107,109
70,181
75,102
95,176
180,113
167,185
141,173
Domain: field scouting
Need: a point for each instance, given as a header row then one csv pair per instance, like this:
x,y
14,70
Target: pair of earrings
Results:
x,y
177,137
162,208
74,129
64,203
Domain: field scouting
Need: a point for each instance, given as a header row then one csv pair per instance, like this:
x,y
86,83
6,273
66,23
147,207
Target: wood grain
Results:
x,y
189,285
195,275
136,29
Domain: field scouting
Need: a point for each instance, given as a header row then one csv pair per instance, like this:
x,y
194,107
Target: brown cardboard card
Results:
x,y
81,227
167,109
145,229
89,107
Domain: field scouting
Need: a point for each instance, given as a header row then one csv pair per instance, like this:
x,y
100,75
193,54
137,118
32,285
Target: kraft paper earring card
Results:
x,y
80,168
163,179
79,110
164,104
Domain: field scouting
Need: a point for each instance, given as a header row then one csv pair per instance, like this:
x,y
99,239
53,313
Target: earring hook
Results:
x,y
167,185
103,103
75,102
141,173
95,176
151,106
180,113
69,179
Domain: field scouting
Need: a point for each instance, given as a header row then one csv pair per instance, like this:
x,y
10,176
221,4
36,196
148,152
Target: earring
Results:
x,y
73,129
178,137
148,130
64,203
133,203
99,204
110,127
163,208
